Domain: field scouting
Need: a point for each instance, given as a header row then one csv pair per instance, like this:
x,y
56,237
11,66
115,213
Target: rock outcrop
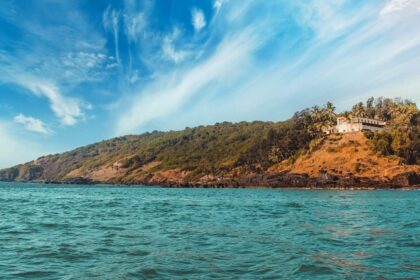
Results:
x,y
338,161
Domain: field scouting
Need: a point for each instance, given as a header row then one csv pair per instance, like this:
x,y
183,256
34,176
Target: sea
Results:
x,y
138,232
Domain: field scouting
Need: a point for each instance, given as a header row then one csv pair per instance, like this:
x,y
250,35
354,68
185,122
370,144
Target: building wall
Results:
x,y
349,127
353,127
371,128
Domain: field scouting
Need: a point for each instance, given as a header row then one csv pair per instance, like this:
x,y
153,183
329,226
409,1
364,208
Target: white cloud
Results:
x,y
169,93
62,44
110,21
15,149
134,77
86,66
333,61
217,4
32,124
84,59
394,6
329,19
134,25
198,19
67,109
169,50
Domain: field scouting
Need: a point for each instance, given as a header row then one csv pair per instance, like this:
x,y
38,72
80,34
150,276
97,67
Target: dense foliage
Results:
x,y
402,135
226,147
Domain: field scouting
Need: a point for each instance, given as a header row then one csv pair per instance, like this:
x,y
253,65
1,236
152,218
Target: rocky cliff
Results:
x,y
335,161
291,153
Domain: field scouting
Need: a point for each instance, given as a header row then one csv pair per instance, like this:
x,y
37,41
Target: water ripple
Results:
x,y
56,232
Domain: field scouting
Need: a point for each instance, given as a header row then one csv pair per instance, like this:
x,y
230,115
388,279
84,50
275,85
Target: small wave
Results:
x,y
314,269
146,273
333,241
33,274
138,253
50,225
294,205
411,225
234,234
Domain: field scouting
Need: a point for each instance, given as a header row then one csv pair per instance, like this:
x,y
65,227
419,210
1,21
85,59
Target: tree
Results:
x,y
321,118
369,103
401,137
359,110
330,107
370,109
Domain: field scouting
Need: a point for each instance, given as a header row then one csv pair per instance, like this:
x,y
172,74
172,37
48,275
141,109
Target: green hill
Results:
x,y
221,151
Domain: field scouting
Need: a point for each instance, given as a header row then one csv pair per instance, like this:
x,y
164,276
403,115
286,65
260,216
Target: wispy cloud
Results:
x,y
53,55
217,4
394,6
67,109
110,20
329,57
134,25
32,124
154,68
15,148
169,93
169,50
198,19
81,66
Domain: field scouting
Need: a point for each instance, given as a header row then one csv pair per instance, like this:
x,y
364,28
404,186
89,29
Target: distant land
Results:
x,y
304,151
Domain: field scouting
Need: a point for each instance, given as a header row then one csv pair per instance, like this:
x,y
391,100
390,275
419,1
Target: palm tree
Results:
x,y
359,110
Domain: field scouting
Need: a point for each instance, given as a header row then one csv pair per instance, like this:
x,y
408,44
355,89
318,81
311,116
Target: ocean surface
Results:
x,y
84,232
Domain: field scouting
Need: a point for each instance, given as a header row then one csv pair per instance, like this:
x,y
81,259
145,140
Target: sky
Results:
x,y
77,72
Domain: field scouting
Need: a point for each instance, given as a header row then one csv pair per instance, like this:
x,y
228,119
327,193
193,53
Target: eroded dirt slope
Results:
x,y
346,155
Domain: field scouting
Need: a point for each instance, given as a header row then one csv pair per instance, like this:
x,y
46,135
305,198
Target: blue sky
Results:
x,y
76,72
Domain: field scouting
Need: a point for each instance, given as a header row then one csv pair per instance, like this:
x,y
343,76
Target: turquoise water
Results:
x,y
62,232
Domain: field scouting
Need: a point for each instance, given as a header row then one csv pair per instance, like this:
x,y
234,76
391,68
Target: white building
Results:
x,y
358,124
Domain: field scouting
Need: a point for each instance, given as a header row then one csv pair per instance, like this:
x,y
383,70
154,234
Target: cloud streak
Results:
x,y
169,50
67,109
395,6
32,124
15,148
158,101
332,56
111,19
147,65
198,19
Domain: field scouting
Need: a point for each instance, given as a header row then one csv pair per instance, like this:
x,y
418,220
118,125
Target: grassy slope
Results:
x,y
236,150
203,153
200,150
346,155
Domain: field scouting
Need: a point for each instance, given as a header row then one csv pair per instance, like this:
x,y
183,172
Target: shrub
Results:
x,y
382,143
331,150
357,167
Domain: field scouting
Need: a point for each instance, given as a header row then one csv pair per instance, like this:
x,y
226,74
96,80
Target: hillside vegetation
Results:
x,y
230,151
346,155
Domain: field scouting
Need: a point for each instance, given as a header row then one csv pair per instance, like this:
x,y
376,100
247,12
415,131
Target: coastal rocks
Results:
x,y
9,174
283,180
408,179
287,180
78,181
324,181
22,173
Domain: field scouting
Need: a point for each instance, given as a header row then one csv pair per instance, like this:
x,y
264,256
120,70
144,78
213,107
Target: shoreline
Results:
x,y
186,186
282,180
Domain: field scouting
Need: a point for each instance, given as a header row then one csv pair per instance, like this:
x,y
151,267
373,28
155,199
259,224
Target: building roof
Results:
x,y
367,121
